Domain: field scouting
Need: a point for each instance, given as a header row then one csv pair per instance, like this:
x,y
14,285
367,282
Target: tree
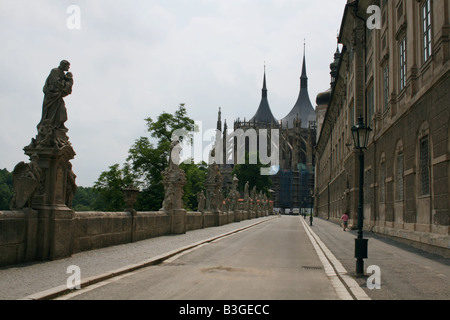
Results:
x,y
145,165
109,187
84,199
196,175
252,174
149,162
6,189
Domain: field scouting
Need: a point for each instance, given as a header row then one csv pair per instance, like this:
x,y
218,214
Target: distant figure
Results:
x,y
345,218
57,86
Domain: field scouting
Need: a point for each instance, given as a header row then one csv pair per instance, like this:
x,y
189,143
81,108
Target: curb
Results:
x,y
63,289
346,287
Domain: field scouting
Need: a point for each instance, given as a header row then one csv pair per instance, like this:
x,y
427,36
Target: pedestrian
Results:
x,y
345,220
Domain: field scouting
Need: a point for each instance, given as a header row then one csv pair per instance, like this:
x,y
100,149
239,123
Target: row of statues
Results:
x,y
233,202
213,199
49,174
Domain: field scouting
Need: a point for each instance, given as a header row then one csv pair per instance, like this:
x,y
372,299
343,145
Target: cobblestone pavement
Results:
x,y
407,273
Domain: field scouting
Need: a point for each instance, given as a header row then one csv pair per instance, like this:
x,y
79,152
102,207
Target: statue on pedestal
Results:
x,y
47,184
174,179
48,178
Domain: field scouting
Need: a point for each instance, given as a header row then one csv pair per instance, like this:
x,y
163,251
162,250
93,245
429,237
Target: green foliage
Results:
x,y
143,168
109,188
149,162
84,199
195,182
252,174
6,189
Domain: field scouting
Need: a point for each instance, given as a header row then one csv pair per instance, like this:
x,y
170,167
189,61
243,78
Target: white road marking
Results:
x,y
333,265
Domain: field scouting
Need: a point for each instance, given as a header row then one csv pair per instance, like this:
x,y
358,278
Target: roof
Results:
x,y
264,114
303,108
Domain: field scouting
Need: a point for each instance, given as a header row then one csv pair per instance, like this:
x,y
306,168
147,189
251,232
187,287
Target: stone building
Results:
x,y
293,183
397,78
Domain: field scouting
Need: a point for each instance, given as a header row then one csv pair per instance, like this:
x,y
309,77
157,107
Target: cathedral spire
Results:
x,y
219,120
303,108
264,114
304,77
264,89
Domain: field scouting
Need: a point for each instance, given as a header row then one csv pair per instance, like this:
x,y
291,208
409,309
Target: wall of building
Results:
x,y
402,116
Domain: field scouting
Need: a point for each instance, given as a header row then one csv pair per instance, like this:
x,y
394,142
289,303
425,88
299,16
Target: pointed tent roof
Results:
x,y
303,108
264,114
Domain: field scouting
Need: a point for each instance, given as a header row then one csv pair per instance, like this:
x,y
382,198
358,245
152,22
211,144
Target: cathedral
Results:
x,y
293,176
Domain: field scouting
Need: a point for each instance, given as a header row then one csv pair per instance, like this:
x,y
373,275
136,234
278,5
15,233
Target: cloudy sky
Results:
x,y
135,59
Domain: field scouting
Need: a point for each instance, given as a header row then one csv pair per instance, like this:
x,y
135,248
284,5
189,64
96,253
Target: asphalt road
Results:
x,y
275,260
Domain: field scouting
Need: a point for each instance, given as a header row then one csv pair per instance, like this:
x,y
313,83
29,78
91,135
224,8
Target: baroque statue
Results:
x,y
51,128
26,181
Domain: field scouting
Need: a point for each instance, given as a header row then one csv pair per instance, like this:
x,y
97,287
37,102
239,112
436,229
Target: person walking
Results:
x,y
345,218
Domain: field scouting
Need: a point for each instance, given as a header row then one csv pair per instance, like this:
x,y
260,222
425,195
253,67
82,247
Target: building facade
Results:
x,y
397,78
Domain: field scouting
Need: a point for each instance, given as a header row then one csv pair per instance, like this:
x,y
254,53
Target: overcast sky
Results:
x,y
135,59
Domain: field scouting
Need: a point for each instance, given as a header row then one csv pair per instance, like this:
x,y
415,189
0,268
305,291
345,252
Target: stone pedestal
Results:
x,y
174,181
55,232
178,221
52,199
212,201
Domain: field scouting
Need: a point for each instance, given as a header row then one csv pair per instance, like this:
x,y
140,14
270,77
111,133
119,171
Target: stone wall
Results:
x,y
18,231
22,240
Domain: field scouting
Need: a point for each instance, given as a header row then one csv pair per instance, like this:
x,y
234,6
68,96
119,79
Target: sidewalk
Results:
x,y
44,279
407,273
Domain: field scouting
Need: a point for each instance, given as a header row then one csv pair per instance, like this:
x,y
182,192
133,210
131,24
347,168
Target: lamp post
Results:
x,y
360,134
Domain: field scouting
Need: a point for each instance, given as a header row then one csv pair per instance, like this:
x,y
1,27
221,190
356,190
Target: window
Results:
x,y
426,29
352,115
399,189
370,103
368,187
386,87
400,10
383,182
424,166
402,52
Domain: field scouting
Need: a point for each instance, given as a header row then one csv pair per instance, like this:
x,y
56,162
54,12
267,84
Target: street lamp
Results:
x,y
360,134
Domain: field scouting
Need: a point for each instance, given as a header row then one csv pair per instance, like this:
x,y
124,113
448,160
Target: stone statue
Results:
x,y
26,181
175,152
246,192
201,199
71,187
51,129
57,86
